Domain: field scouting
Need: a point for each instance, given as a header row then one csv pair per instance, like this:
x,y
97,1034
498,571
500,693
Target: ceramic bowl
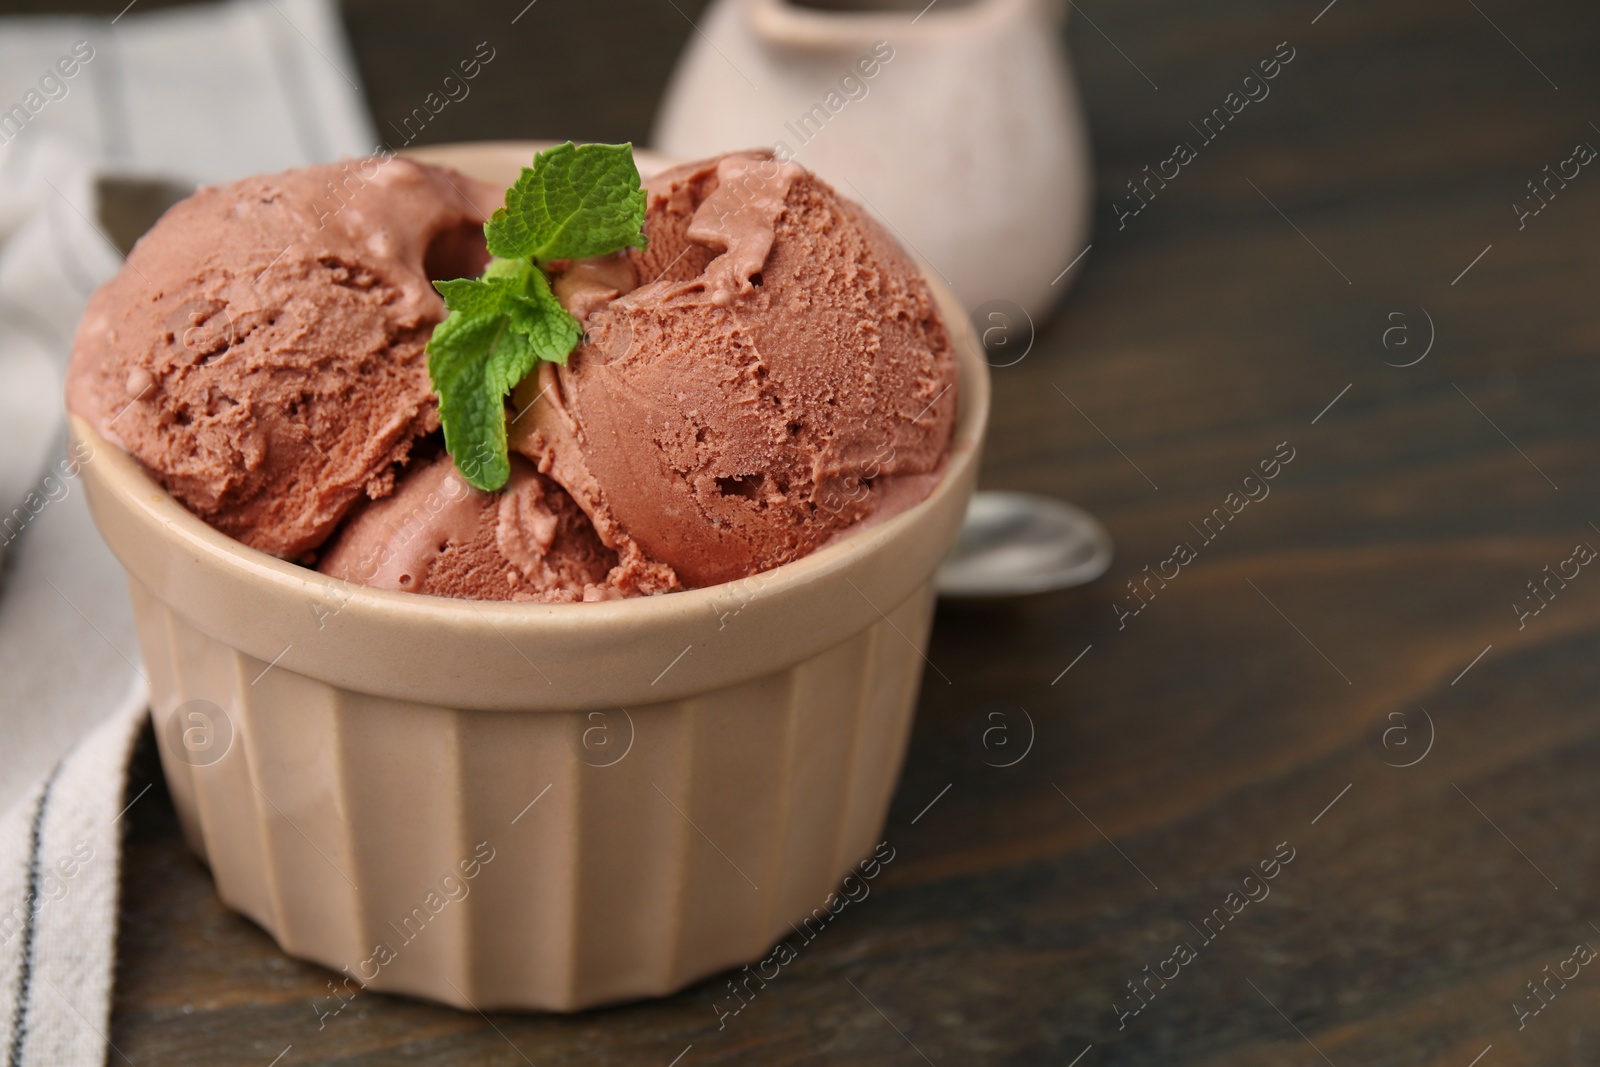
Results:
x,y
501,805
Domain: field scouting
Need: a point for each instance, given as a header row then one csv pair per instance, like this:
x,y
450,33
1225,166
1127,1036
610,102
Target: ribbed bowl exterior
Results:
x,y
729,816
532,806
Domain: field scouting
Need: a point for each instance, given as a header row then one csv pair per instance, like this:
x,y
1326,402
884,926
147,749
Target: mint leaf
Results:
x,y
497,330
573,203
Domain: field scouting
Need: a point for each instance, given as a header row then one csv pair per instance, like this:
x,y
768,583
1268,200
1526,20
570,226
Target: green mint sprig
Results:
x,y
573,203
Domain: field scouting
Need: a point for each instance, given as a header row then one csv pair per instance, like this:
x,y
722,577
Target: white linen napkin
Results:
x,y
60,854
206,93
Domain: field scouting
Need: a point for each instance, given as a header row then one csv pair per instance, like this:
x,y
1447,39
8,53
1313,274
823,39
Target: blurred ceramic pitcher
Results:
x,y
957,122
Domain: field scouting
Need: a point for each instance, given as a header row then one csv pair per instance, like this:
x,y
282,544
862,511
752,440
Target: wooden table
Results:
x,y
1338,675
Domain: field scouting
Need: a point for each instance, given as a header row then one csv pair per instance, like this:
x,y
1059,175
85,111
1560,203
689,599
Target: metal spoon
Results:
x,y
1016,544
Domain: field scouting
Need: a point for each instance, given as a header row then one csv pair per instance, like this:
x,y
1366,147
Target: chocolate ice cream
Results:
x,y
261,352
437,534
768,372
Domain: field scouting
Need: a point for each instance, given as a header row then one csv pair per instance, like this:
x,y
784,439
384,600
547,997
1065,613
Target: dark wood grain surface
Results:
x,y
1338,675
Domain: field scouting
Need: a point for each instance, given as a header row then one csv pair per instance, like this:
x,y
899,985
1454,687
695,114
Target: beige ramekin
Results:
x,y
531,806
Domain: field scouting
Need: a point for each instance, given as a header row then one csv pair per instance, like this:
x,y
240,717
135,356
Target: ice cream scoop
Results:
x,y
438,535
768,372
261,353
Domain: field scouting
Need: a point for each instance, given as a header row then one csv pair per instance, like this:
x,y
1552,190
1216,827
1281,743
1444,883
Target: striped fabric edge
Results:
x,y
60,862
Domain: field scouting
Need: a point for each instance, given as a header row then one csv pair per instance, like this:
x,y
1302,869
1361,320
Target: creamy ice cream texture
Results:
x,y
438,534
769,373
770,370
263,357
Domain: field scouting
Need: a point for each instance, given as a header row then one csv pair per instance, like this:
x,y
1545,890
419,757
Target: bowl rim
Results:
x,y
129,480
